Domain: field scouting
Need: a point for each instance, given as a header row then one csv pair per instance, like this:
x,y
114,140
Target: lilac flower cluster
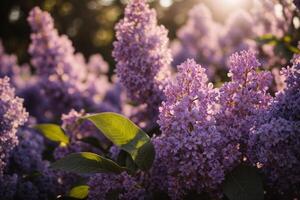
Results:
x,y
27,175
63,76
235,39
211,43
23,172
8,64
205,130
141,52
274,143
191,148
198,39
110,186
273,18
286,104
243,98
12,115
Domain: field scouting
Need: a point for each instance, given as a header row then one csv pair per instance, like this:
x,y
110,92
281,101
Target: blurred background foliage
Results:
x,y
90,23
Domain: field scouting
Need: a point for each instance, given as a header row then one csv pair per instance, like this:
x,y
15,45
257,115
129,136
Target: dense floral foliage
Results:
x,y
142,54
202,127
12,115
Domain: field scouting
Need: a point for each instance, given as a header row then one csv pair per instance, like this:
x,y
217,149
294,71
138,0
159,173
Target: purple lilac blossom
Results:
x,y
12,116
97,64
115,186
198,39
243,98
275,148
237,34
272,18
190,147
8,186
279,80
287,102
27,155
27,174
8,64
141,52
274,144
53,57
9,67
63,77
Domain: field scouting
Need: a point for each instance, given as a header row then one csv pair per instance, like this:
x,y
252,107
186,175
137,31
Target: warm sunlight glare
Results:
x,y
233,3
166,3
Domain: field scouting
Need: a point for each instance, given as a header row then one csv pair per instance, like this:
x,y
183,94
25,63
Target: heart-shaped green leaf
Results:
x,y
79,192
126,135
53,132
243,183
86,162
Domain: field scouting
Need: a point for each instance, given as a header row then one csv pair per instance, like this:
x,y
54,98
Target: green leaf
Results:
x,y
53,132
79,192
243,183
267,39
293,49
126,135
145,156
92,141
86,162
124,159
287,39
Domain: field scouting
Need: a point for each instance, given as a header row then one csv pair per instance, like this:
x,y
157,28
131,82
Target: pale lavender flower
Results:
x,y
12,116
287,102
274,143
279,80
51,54
243,98
237,34
8,64
97,64
141,51
198,39
65,80
190,150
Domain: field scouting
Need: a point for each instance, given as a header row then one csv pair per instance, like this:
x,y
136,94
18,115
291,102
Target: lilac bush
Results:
x,y
21,153
27,173
215,116
189,131
274,143
63,76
